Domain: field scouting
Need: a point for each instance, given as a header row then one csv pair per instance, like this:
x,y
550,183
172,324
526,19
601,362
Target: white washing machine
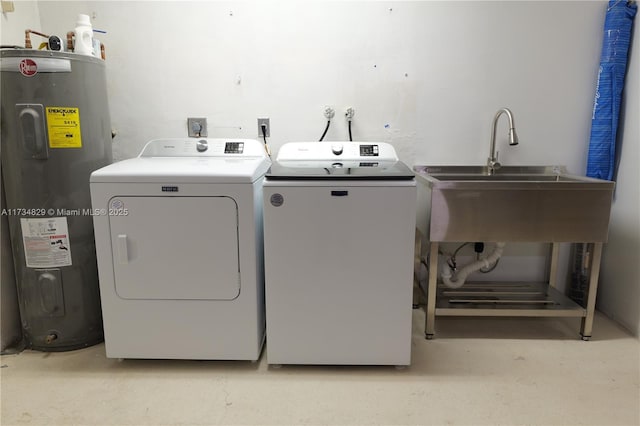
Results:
x,y
180,252
339,224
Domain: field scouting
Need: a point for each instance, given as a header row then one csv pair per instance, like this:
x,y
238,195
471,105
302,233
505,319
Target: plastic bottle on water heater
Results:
x,y
83,36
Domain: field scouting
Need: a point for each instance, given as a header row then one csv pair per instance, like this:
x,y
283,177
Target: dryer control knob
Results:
x,y
336,148
201,145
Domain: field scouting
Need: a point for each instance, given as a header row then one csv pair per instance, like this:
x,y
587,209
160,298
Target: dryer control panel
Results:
x,y
204,147
233,147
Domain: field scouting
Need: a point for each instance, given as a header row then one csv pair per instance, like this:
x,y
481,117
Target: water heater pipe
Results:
x,y
70,41
27,37
70,36
462,274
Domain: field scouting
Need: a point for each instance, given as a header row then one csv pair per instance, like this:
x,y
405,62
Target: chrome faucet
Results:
x,y
492,161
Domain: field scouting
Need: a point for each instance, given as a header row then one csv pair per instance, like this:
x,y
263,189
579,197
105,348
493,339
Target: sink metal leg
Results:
x,y
431,291
587,321
553,268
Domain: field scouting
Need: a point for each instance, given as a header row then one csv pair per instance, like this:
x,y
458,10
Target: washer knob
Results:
x,y
336,148
201,145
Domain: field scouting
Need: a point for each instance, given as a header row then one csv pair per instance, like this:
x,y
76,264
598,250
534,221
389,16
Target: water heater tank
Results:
x,y
55,131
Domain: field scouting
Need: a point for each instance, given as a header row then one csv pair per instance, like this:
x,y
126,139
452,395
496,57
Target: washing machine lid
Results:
x,y
348,170
338,160
191,160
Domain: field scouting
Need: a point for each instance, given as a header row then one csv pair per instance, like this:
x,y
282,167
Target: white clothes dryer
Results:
x,y
179,244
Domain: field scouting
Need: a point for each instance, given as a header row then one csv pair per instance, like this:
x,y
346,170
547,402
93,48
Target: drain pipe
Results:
x,y
462,274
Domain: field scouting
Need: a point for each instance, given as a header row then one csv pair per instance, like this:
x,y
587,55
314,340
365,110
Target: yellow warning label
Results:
x,y
63,124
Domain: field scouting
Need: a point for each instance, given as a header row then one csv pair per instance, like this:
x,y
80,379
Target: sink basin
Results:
x,y
525,204
503,178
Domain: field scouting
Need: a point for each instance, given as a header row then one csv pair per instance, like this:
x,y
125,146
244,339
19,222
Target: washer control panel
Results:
x,y
345,151
369,150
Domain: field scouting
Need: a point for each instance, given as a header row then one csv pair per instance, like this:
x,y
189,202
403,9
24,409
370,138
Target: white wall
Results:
x,y
619,290
434,72
12,24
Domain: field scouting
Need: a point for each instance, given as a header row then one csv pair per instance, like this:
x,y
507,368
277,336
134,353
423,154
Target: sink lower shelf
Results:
x,y
505,299
510,299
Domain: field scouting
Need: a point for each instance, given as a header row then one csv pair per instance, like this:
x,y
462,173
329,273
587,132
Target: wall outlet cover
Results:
x,y
266,122
7,6
197,127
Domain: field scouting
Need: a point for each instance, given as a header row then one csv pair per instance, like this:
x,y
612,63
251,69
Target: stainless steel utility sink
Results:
x,y
527,204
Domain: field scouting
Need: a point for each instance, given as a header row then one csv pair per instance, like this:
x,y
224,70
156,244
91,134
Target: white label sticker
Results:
x,y
46,242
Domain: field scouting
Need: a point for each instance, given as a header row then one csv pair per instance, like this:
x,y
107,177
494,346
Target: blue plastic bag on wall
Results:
x,y
606,105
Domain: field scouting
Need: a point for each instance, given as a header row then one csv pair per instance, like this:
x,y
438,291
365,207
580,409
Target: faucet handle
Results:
x,y
495,164
496,161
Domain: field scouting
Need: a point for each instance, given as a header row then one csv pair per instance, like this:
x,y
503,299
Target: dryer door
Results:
x,y
175,247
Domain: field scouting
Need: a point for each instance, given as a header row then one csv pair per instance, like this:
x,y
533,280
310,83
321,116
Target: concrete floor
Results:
x,y
476,371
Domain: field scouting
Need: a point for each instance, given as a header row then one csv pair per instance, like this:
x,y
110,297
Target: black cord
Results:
x,y
452,259
490,268
263,127
350,138
264,133
455,253
326,129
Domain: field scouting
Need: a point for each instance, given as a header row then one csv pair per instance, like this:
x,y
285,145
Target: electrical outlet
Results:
x,y
197,127
267,124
